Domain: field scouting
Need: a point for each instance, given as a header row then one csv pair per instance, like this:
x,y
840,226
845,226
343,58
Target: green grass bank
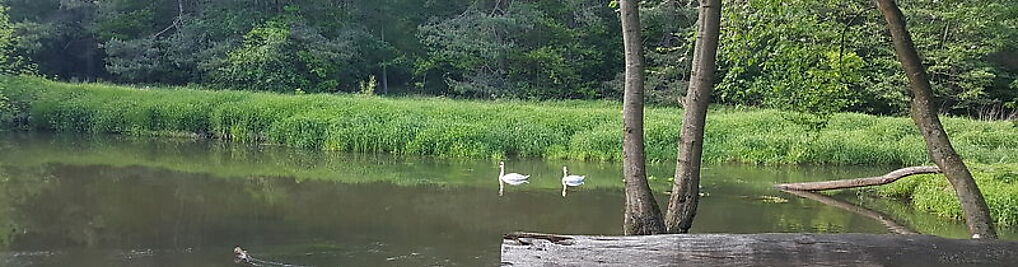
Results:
x,y
585,130
932,193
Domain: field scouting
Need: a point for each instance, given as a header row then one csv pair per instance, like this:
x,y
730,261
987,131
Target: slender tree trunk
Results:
x,y
686,190
385,80
385,69
642,216
977,215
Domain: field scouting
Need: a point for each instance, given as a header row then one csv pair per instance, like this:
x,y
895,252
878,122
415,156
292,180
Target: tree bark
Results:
x,y
754,250
977,215
642,215
861,182
686,190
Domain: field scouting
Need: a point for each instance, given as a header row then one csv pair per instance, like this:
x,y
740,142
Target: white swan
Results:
x,y
511,178
570,180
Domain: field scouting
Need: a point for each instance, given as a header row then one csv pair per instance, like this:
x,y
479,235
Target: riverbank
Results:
x,y
583,130
932,193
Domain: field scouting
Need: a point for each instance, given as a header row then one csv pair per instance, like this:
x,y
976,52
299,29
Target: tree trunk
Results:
x,y
861,182
385,80
642,215
385,68
686,190
977,215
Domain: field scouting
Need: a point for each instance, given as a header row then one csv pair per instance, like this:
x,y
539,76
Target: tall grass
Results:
x,y
932,193
587,130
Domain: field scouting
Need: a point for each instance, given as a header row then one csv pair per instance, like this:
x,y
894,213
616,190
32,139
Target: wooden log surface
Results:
x,y
860,182
529,249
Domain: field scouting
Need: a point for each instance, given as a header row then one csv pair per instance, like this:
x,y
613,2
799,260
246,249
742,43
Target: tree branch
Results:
x,y
861,182
176,21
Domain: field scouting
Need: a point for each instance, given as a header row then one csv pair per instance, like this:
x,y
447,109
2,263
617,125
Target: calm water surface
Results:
x,y
120,201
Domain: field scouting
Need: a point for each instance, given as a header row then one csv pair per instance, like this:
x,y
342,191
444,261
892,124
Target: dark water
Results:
x,y
114,201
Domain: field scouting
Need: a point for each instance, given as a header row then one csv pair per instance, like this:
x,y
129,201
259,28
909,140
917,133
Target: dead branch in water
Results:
x,y
860,182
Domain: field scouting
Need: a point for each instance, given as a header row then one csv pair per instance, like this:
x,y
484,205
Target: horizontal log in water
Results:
x,y
528,249
860,182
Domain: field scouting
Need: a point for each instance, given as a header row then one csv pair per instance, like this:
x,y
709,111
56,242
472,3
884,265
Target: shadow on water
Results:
x,y
101,201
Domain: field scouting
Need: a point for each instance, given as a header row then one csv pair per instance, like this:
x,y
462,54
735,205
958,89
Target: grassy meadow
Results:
x,y
582,130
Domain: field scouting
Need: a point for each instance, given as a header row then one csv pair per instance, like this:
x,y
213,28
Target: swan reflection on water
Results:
x,y
509,178
570,180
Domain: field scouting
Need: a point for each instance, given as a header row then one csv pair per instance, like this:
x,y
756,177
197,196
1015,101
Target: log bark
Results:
x,y
683,203
642,215
924,113
892,226
757,250
860,182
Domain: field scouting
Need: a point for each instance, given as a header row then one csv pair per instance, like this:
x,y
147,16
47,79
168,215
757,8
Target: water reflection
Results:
x,y
86,201
509,178
888,221
570,180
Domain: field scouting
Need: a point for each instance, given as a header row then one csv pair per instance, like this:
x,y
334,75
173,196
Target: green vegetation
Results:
x,y
932,193
786,71
793,54
6,41
458,128
818,56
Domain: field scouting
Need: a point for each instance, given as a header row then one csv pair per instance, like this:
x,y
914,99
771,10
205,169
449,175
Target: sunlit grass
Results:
x,y
932,193
585,130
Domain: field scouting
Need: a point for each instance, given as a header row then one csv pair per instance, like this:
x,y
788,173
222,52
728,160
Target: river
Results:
x,y
82,200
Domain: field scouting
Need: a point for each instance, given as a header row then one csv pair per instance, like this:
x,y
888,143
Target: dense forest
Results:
x,y
795,54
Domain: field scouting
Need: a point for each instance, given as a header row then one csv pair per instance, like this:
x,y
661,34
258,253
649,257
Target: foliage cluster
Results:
x,y
9,62
815,56
460,128
827,56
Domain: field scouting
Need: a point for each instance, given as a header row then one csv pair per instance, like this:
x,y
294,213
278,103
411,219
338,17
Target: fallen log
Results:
x,y
755,250
892,226
860,182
